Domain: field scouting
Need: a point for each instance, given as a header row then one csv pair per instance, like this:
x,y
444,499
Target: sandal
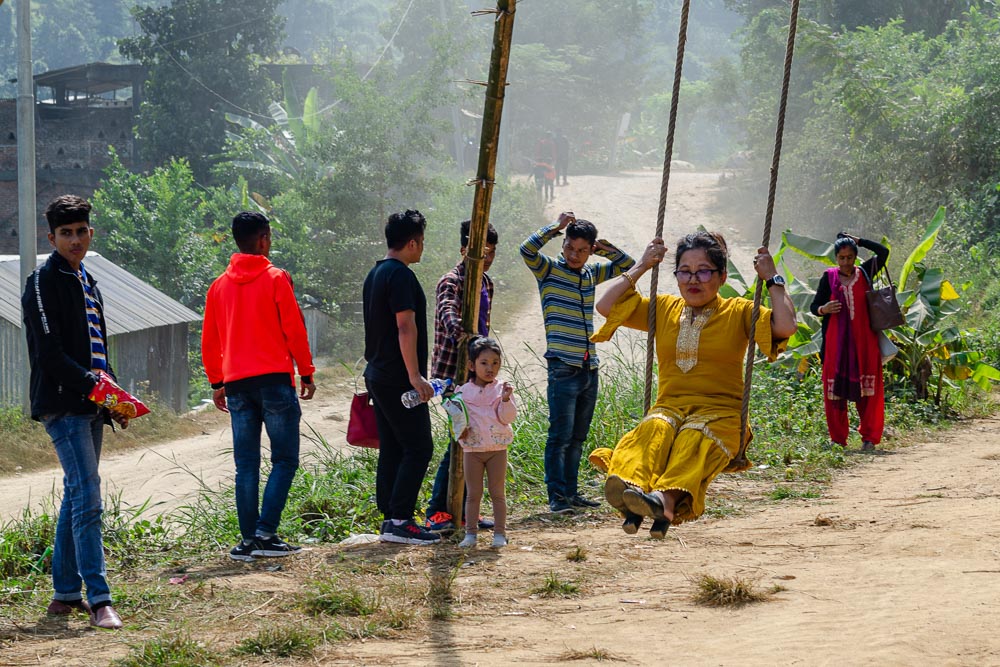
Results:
x,y
659,529
645,504
614,487
632,523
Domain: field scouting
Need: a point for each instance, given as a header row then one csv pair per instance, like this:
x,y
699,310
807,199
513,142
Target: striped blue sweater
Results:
x,y
568,296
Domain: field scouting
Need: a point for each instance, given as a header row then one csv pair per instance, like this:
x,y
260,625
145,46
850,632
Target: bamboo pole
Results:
x,y
489,141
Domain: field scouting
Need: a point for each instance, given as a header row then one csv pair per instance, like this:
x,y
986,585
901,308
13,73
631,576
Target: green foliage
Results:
x,y
23,544
560,58
553,587
164,228
279,642
334,598
63,33
174,650
204,57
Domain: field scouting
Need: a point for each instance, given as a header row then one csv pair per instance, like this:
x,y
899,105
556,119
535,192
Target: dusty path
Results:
x,y
906,572
168,474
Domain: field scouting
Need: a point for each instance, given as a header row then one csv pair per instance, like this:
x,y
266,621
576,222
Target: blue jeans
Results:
x,y
276,408
572,394
78,554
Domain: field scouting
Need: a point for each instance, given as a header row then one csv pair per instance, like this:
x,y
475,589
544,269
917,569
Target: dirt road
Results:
x,y
168,474
897,564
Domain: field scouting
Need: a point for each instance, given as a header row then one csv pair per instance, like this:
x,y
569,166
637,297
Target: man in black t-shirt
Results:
x,y
395,312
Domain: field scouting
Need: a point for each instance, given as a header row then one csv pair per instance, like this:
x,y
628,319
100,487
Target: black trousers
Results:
x,y
405,449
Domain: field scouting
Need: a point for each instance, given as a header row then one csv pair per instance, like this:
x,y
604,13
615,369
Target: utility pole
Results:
x,y
488,143
26,216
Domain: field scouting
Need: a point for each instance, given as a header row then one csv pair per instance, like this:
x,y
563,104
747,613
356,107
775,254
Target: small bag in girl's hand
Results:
x,y
362,430
458,415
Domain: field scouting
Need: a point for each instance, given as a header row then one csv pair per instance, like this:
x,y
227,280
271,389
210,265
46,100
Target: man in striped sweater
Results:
x,y
566,286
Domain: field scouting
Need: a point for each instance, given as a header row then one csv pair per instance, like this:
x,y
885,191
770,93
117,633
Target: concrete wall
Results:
x,y
71,151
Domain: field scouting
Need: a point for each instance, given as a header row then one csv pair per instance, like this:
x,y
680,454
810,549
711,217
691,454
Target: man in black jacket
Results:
x,y
67,346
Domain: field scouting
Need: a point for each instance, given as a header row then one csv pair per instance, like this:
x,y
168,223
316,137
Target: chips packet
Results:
x,y
108,394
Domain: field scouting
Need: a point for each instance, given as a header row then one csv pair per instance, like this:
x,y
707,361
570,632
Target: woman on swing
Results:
x,y
662,467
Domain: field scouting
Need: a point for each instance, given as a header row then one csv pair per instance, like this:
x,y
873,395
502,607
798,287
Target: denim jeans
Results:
x,y
276,408
572,394
78,554
405,449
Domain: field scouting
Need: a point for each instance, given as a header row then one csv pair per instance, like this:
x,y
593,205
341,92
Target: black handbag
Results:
x,y
883,308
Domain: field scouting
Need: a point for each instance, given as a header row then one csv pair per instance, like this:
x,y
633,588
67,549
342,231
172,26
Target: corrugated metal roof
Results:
x,y
132,304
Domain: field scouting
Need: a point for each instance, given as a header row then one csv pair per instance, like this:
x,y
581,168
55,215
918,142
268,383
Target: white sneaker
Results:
x,y
499,540
468,542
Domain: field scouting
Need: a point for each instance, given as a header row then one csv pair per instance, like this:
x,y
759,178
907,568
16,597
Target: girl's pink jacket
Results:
x,y
489,417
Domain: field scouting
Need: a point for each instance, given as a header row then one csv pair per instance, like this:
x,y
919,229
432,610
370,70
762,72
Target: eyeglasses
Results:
x,y
704,275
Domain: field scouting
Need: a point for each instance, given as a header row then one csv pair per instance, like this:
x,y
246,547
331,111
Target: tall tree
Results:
x,y
930,17
204,58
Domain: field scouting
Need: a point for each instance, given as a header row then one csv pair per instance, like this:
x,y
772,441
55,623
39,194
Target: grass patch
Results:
x,y
280,642
598,654
553,587
577,555
728,591
175,650
331,598
791,493
439,592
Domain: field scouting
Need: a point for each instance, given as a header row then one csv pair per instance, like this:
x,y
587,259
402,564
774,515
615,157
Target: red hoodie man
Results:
x,y
252,335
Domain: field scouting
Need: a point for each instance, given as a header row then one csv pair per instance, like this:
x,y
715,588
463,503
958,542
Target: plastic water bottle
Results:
x,y
411,399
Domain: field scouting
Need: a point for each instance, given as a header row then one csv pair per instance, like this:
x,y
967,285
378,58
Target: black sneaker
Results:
x,y
273,547
243,551
580,501
560,507
408,533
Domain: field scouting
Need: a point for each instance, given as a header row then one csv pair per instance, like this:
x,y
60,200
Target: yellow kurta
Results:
x,y
692,431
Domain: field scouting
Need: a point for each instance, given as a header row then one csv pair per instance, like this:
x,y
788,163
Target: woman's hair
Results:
x,y
844,242
482,344
711,242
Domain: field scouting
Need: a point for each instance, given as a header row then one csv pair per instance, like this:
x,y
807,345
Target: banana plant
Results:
x,y
281,149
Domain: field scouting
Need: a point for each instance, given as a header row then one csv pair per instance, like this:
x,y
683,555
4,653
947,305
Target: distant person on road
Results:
x,y
252,335
852,363
562,157
545,166
395,315
566,287
662,468
67,347
448,336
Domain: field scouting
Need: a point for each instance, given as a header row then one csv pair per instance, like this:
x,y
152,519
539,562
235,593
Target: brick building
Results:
x,y
80,112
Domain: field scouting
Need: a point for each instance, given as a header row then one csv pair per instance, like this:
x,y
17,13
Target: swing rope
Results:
x,y
740,461
662,210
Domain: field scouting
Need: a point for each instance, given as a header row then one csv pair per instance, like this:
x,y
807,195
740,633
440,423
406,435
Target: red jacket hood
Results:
x,y
245,268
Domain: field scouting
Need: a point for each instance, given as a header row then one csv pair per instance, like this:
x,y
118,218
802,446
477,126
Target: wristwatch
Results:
x,y
775,280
